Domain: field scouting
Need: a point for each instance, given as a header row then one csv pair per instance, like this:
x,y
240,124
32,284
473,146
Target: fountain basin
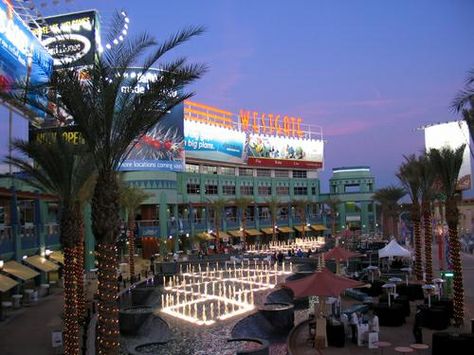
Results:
x,y
280,315
132,318
149,348
247,346
141,294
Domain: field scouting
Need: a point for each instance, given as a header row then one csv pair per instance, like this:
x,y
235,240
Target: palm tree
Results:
x,y
217,206
388,197
465,96
426,186
243,203
447,164
274,204
333,204
111,121
61,169
301,206
409,175
130,199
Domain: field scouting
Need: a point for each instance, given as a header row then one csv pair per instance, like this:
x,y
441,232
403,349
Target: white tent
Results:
x,y
394,249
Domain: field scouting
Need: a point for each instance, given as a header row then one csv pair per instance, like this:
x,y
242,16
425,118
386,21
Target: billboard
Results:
x,y
206,142
279,151
71,39
162,148
23,61
452,135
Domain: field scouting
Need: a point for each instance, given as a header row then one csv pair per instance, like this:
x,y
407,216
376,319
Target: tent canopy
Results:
x,y
321,283
394,249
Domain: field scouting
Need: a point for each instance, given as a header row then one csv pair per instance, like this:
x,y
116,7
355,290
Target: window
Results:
x,y
281,173
300,190
313,190
245,172
283,190
300,174
246,190
210,190
265,190
192,168
228,190
193,189
228,171
352,188
205,169
264,172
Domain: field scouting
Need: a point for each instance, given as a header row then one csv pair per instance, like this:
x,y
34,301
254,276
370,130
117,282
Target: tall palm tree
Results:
x,y
217,206
409,175
333,204
111,121
274,204
243,203
447,164
466,95
130,199
427,177
301,206
388,197
61,169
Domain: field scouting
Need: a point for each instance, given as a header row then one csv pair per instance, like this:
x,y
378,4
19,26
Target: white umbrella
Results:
x,y
371,269
395,280
429,289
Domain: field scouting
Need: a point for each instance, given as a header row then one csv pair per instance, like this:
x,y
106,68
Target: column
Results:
x,y
163,213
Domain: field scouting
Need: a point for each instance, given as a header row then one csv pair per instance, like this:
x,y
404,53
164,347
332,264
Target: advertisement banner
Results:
x,y
71,39
452,135
276,151
24,63
206,142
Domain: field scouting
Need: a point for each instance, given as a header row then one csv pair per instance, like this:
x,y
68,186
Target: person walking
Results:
x,y
354,323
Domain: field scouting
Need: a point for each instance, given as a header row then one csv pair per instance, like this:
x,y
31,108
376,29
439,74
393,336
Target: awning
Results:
x,y
269,230
57,256
300,228
205,236
41,263
253,232
6,283
18,270
318,227
235,233
222,235
285,229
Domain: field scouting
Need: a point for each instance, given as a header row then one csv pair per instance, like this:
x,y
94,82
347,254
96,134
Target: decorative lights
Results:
x,y
123,32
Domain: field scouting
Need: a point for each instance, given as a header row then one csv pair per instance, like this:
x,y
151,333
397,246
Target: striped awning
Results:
x,y
253,232
41,263
269,230
285,229
6,283
318,227
57,256
235,233
21,271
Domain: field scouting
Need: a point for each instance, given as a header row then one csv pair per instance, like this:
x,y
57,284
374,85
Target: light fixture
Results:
x,y
307,225
47,252
187,235
1,264
24,257
170,237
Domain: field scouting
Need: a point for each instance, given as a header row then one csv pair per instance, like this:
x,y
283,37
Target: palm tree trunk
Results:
x,y
452,218
106,227
417,237
428,240
131,246
79,276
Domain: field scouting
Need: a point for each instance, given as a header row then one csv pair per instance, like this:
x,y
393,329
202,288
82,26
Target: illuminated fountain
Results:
x,y
206,296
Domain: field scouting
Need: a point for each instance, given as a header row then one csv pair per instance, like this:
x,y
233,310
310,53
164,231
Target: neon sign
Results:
x,y
268,123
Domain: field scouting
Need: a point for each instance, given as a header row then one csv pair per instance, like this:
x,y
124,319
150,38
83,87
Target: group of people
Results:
x,y
357,319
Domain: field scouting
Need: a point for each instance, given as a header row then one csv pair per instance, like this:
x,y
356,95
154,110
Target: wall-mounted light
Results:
x,y
47,252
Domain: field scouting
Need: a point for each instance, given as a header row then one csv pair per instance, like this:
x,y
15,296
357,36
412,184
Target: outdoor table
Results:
x,y
404,349
451,343
435,317
16,299
403,300
390,316
382,345
419,347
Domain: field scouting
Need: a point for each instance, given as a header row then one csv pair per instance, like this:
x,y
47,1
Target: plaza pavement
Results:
x,y
28,330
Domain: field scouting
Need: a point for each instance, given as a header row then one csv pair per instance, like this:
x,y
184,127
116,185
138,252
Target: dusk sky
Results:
x,y
368,72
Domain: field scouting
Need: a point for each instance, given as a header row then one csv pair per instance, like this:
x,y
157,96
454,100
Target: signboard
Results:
x,y
71,39
206,142
452,135
24,63
268,123
276,151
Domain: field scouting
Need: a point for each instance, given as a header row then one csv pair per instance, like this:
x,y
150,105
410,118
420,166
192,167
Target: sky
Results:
x,y
369,72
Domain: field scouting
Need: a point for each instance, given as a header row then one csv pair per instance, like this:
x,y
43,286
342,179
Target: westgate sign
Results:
x,y
269,123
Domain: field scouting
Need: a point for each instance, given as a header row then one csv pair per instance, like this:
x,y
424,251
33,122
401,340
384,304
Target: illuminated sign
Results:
x,y
24,63
71,39
452,135
268,123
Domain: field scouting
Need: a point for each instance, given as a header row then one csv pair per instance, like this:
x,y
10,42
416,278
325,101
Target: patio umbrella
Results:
x,y
389,286
340,254
371,269
395,281
322,283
